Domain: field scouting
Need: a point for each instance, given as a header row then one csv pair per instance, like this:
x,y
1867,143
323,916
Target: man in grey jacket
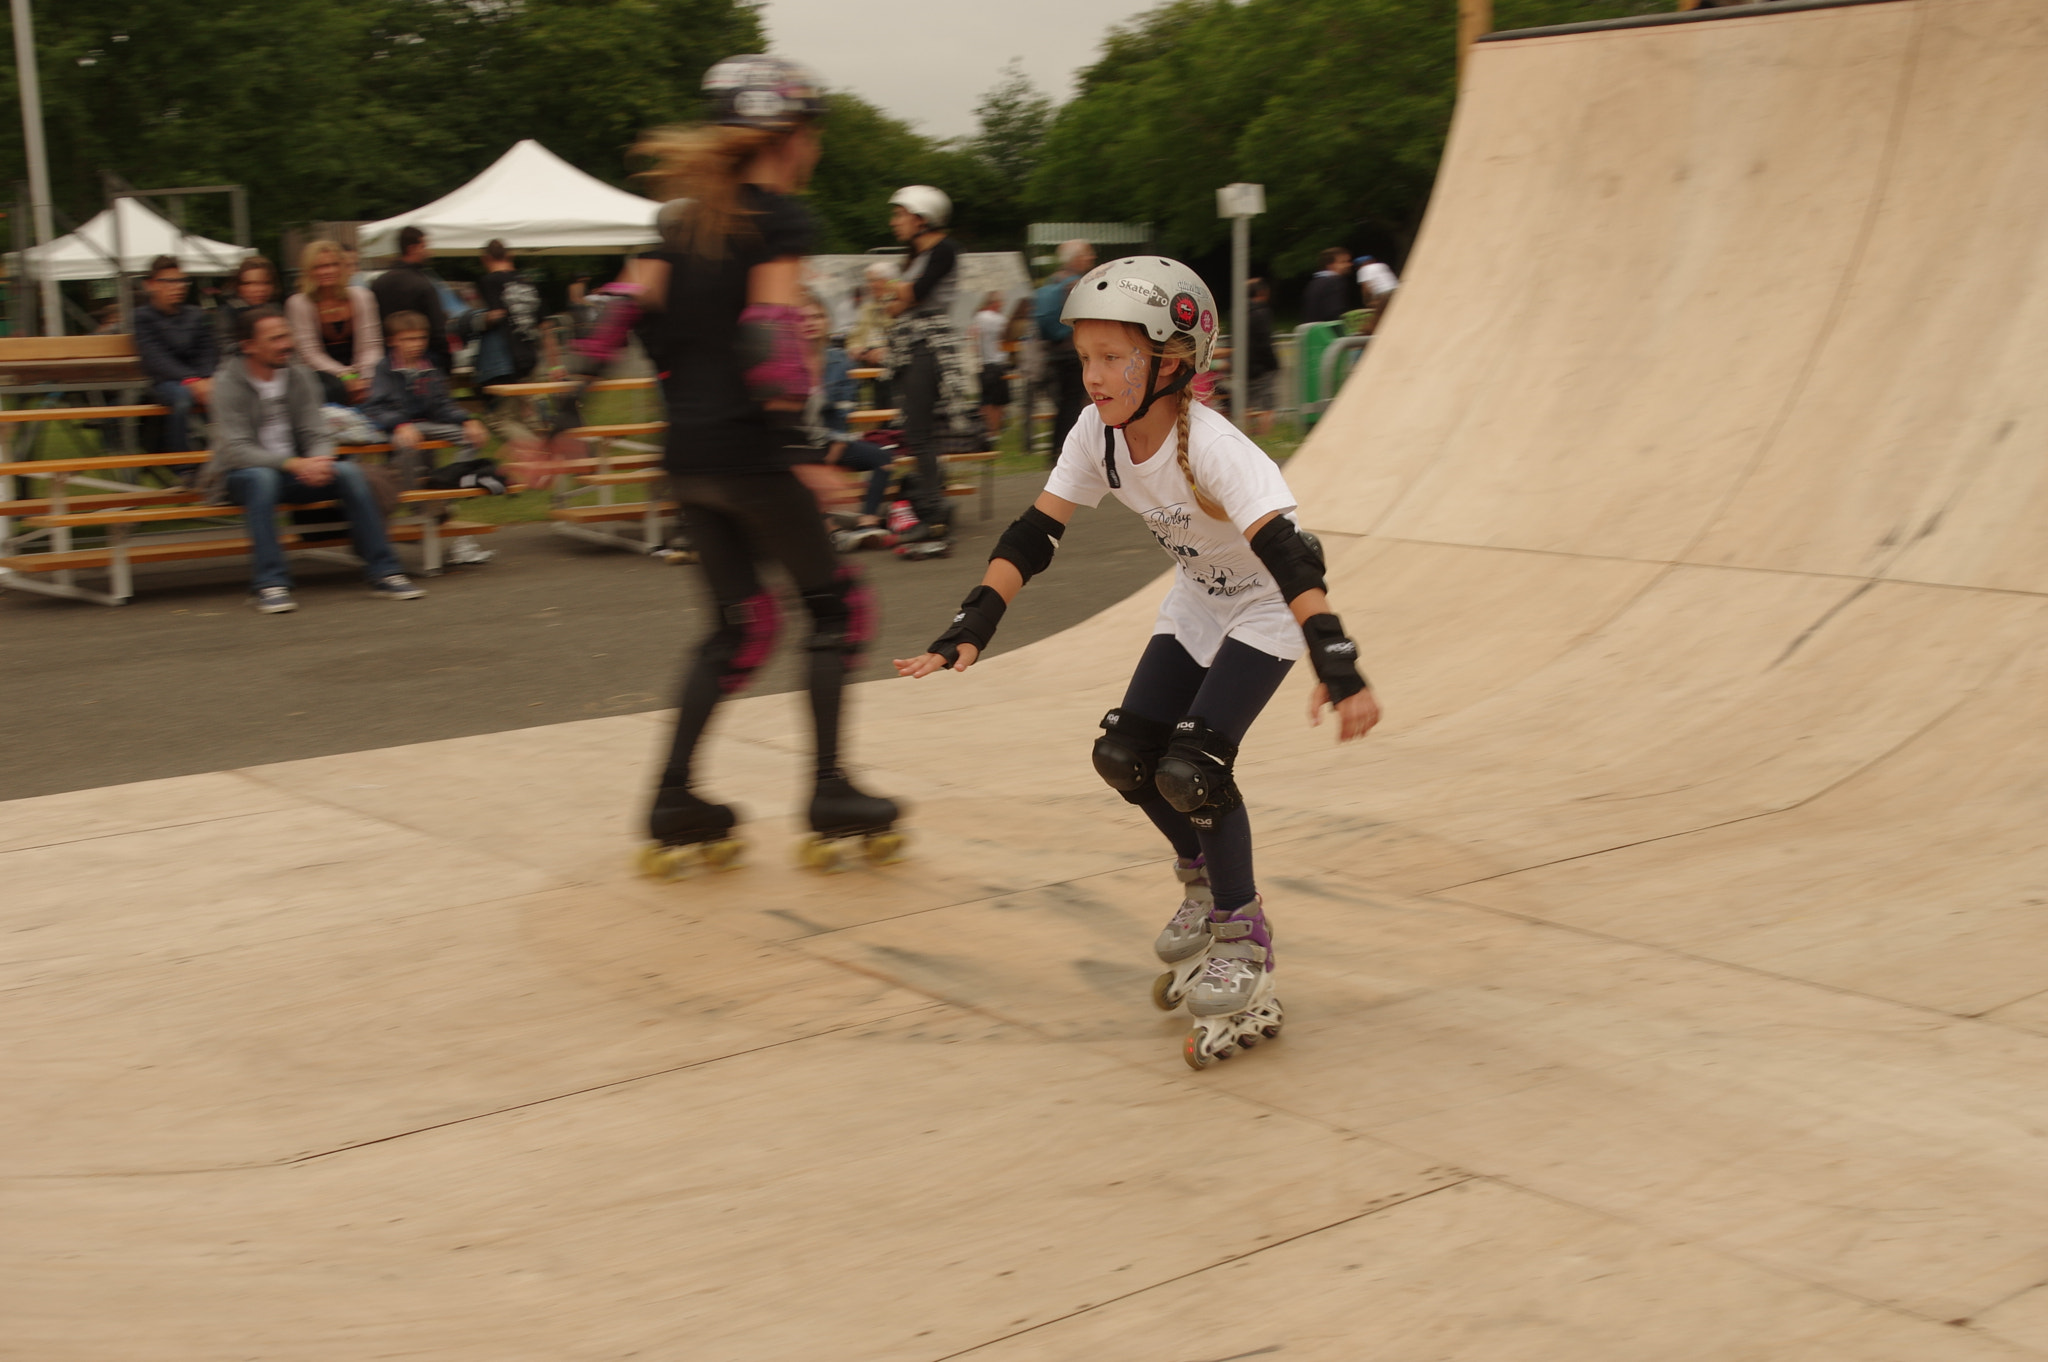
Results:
x,y
271,445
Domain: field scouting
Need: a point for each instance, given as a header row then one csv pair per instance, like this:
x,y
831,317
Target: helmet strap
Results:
x,y
1153,392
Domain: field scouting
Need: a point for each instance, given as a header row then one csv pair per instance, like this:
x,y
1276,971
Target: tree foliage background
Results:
x,y
356,109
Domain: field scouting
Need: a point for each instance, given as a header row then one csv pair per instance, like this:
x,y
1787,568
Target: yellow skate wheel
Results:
x,y
724,855
659,862
818,853
884,848
1193,1053
1163,996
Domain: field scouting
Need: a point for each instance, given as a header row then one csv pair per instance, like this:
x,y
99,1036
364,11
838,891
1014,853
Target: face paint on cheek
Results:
x,y
1134,380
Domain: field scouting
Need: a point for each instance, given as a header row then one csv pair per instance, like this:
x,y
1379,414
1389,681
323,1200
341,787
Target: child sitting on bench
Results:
x,y
409,401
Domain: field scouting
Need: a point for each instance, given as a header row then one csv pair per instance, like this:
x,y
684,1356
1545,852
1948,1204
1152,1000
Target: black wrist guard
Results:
x,y
976,623
1334,657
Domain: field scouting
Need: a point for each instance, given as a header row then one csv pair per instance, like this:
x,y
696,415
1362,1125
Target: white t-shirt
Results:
x,y
275,434
988,330
1376,278
1222,590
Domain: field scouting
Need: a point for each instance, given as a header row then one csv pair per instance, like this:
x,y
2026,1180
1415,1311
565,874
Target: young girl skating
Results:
x,y
1248,600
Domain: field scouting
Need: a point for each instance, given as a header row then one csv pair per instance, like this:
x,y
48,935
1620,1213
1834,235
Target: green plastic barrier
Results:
x,y
1310,340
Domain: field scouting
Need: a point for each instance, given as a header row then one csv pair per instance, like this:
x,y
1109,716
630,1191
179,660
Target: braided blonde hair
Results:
x,y
1182,348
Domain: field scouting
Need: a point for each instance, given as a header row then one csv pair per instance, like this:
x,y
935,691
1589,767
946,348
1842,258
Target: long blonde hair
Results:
x,y
703,164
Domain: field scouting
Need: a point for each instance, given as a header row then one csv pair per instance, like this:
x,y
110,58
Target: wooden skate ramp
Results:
x,y
1667,979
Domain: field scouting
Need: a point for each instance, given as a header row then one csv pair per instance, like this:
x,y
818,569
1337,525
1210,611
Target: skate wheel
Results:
x,y
818,853
724,855
1165,996
1193,1053
884,848
1248,1040
658,862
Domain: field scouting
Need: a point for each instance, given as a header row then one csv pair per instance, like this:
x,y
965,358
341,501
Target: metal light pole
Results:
x,y
38,159
1240,203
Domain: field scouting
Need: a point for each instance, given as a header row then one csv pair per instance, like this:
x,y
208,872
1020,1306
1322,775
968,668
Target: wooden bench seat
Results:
x,y
17,415
200,510
53,468
554,387
625,477
594,465
616,432
181,550
873,416
141,496
618,510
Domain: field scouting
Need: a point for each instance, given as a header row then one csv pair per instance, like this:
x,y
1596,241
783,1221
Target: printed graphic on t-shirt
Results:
x,y
1170,525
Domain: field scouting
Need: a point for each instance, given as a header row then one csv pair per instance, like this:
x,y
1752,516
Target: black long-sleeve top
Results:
x,y
175,346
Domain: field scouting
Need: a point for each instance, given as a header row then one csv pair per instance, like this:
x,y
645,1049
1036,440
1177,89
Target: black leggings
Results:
x,y
919,385
734,521
1228,694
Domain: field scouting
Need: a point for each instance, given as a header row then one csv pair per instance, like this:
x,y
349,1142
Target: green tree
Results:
x,y
350,109
1339,107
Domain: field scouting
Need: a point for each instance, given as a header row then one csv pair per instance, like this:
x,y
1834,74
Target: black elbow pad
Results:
x,y
1029,542
1292,555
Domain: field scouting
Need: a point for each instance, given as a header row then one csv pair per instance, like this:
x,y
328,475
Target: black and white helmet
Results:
x,y
1164,296
926,202
759,91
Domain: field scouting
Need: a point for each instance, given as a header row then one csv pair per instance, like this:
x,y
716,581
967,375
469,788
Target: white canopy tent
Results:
x,y
88,253
535,202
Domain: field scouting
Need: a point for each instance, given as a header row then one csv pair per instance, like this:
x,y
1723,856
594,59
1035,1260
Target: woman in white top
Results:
x,y
335,328
1248,600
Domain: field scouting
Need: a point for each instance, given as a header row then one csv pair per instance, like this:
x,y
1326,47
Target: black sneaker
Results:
x,y
396,587
273,600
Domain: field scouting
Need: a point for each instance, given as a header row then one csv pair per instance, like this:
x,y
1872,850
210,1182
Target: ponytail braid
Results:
x,y
1184,351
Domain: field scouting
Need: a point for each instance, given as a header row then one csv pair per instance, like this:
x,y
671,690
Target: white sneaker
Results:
x,y
273,600
466,552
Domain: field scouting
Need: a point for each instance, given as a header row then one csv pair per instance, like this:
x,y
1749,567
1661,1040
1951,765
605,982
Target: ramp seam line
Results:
x,y
1092,1307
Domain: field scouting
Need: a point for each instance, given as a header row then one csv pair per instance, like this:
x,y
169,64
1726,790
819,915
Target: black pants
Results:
x,y
1228,694
917,387
1069,397
735,521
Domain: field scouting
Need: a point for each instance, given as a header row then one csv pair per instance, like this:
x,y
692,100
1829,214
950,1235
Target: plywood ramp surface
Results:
x,y
1667,979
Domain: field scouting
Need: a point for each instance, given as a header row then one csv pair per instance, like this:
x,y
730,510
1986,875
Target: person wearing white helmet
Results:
x,y
1247,601
931,382
723,302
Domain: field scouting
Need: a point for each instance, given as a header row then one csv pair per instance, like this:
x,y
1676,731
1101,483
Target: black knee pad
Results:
x,y
745,637
1128,753
1195,774
842,617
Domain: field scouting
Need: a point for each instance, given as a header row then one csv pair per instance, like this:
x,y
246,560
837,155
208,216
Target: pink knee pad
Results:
x,y
759,622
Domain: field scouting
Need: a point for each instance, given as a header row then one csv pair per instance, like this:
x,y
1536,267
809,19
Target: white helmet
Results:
x,y
926,202
1164,296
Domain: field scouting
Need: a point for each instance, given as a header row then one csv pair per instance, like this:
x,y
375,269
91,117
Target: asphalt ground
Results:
x,y
187,678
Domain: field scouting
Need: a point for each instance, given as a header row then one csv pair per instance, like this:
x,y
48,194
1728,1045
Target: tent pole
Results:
x,y
38,158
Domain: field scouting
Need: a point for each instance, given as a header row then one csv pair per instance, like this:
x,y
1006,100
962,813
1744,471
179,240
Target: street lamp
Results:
x,y
1240,203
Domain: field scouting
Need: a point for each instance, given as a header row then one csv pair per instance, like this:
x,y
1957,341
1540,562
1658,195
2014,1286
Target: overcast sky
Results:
x,y
929,62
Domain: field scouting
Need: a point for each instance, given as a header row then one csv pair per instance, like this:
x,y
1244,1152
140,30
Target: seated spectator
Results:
x,y
176,343
255,283
408,287
832,403
271,446
335,328
1328,295
409,402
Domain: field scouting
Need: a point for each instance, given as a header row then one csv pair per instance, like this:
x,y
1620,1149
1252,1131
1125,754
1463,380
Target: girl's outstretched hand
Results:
x,y
1355,716
924,664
